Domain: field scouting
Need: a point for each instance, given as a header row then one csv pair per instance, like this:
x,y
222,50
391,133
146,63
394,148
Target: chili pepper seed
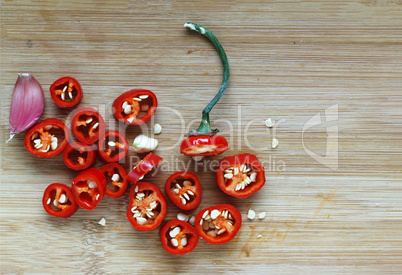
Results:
x,y
183,241
187,183
175,243
127,109
63,198
275,143
182,217
251,214
173,233
215,213
115,177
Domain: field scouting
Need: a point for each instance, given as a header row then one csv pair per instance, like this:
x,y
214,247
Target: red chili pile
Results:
x,y
239,176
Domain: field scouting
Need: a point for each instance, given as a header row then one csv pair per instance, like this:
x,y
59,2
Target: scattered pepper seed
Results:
x,y
251,214
261,215
102,222
157,129
269,123
275,143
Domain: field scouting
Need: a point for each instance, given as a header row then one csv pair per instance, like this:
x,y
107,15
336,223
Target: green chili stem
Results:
x,y
205,125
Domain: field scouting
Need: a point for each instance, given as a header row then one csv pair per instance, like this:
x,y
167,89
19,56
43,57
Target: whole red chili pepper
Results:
x,y
135,106
113,146
89,187
66,92
240,176
184,190
143,167
47,138
87,125
58,201
115,175
78,156
147,206
178,237
218,224
204,141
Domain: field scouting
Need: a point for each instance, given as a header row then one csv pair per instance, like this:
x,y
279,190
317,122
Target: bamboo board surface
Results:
x,y
327,72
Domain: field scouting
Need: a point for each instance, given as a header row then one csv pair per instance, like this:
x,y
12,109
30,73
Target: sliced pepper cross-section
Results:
x,y
87,125
212,145
135,106
143,167
218,224
47,138
89,187
178,237
184,190
113,146
58,201
79,156
147,206
240,176
116,179
66,92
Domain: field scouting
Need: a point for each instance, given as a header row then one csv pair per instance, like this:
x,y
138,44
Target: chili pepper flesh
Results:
x,y
47,138
147,206
113,146
58,201
89,188
240,176
66,92
178,237
115,175
218,224
87,125
79,156
135,106
184,190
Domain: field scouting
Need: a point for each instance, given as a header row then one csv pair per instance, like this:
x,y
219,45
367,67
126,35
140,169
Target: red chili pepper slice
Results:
x,y
218,224
184,190
66,92
147,206
135,106
58,201
116,179
89,187
204,145
87,125
178,237
47,138
240,176
78,156
143,167
113,146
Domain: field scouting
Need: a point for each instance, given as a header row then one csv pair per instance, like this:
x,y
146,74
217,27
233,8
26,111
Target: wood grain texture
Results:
x,y
290,60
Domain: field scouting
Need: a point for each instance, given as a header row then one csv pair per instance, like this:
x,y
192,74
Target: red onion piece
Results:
x,y
27,104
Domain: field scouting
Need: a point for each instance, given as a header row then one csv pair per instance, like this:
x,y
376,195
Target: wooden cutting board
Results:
x,y
327,72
